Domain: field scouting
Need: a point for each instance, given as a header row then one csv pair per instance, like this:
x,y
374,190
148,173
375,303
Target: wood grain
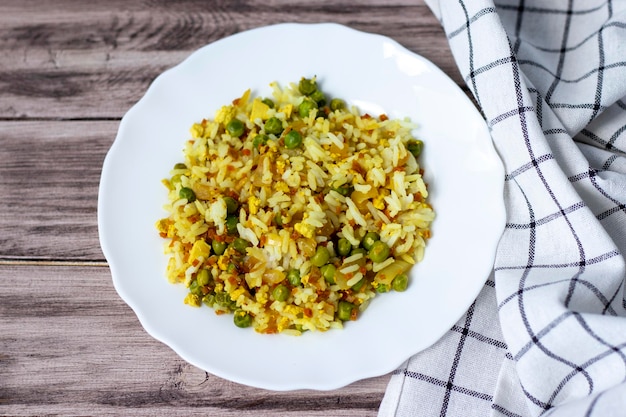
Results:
x,y
70,346
69,70
66,60
49,176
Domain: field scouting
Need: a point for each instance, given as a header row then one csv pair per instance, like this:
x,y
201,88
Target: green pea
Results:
x,y
379,251
187,193
280,293
357,287
209,300
268,102
194,288
231,224
382,288
202,277
415,147
259,140
293,276
235,128
274,126
222,299
231,268
344,310
321,256
307,86
337,104
219,247
240,244
175,180
231,205
328,272
319,98
344,247
358,250
180,165
304,109
369,239
400,282
345,190
242,319
293,139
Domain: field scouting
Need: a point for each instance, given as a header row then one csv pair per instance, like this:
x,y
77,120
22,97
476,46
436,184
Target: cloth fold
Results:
x,y
547,335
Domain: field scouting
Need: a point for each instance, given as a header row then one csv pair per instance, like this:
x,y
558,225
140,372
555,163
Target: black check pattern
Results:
x,y
547,334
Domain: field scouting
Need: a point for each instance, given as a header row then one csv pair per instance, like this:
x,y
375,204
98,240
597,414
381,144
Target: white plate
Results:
x,y
377,74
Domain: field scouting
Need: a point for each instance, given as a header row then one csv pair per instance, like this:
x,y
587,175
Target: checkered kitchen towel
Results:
x,y
547,335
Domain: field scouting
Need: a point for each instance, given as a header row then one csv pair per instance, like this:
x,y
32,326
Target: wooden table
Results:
x,y
69,70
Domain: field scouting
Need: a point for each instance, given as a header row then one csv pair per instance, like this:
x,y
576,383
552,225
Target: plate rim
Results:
x,y
107,251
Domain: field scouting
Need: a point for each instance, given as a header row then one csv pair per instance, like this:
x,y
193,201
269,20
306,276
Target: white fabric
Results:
x,y
547,335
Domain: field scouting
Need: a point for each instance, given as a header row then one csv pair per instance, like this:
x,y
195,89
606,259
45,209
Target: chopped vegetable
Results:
x,y
274,126
379,251
293,139
235,128
188,194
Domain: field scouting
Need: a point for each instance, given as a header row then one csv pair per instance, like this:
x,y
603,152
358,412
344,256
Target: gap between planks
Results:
x,y
35,262
60,119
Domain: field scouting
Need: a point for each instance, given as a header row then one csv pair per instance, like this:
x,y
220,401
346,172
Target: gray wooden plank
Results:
x,y
70,346
69,59
49,177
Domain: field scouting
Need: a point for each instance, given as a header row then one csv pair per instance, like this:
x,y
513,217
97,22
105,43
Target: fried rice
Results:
x,y
292,212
